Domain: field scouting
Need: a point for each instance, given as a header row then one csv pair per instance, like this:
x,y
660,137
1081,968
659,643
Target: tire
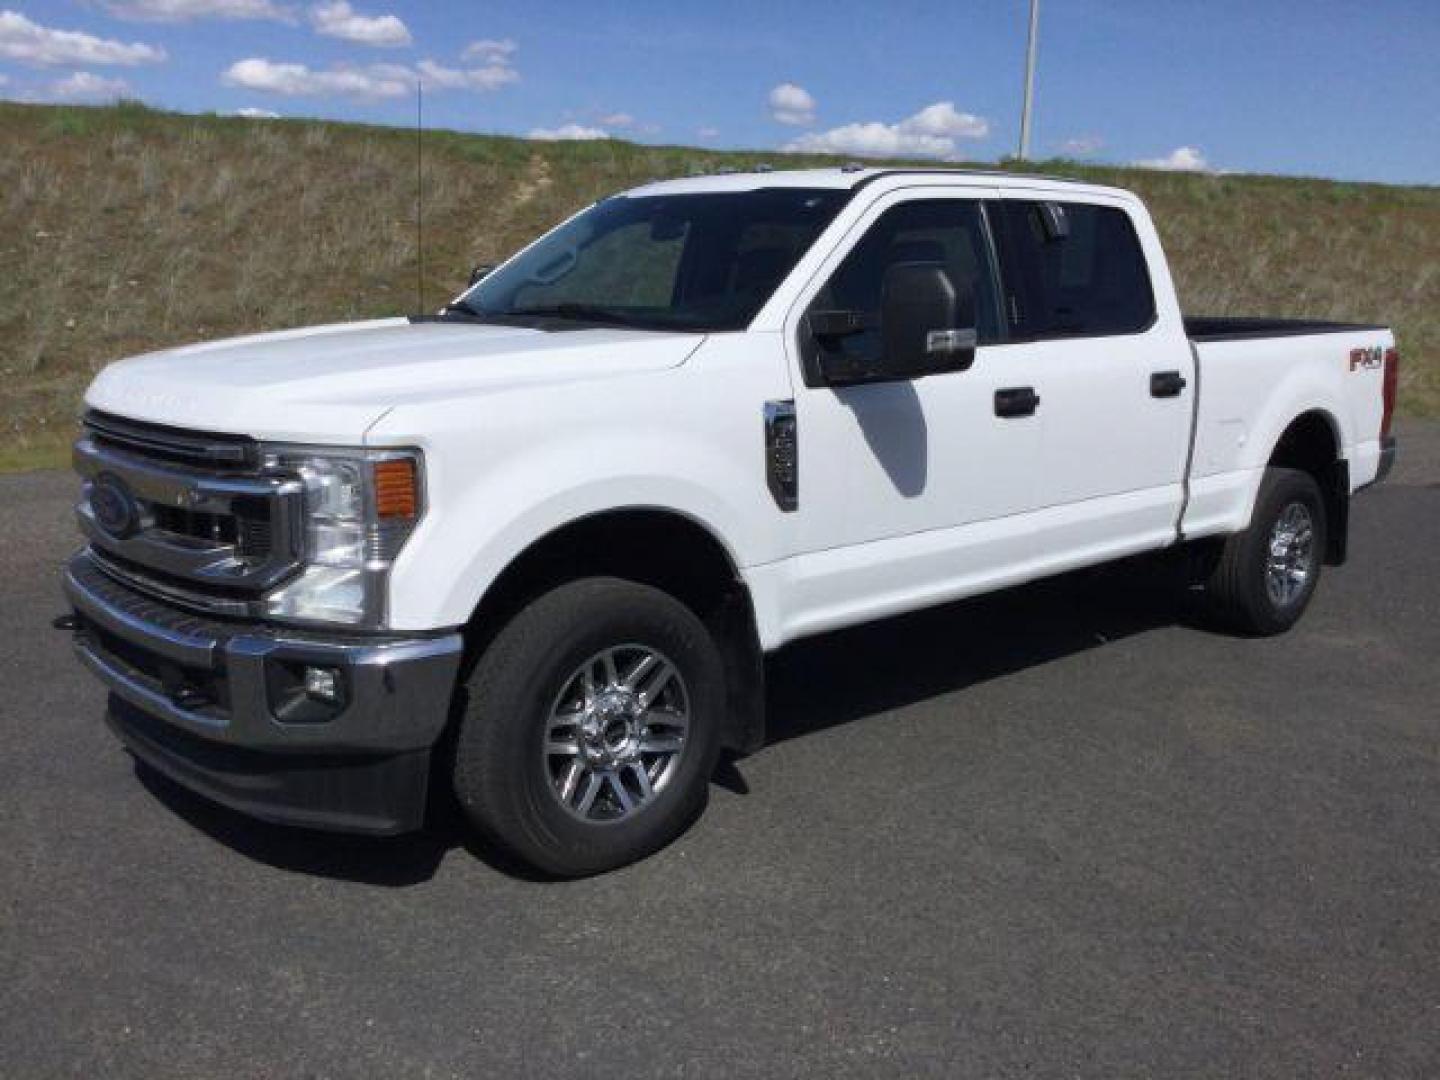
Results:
x,y
1241,592
528,702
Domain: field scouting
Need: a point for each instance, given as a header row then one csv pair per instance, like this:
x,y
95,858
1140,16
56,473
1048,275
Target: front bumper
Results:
x,y
215,705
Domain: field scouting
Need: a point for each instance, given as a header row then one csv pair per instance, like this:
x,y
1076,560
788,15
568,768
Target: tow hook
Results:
x,y
64,622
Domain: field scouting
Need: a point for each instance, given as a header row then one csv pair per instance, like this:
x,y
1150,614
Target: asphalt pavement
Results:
x,y
1064,831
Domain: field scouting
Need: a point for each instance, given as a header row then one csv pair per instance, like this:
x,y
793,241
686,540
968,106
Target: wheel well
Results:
x,y
660,548
1310,445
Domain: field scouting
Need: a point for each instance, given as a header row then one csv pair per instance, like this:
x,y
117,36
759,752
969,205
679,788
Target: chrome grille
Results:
x,y
248,528
252,534
225,529
178,521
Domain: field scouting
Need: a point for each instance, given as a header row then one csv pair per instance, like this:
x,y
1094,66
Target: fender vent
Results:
x,y
782,454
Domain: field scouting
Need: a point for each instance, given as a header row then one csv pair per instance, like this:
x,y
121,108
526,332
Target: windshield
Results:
x,y
691,262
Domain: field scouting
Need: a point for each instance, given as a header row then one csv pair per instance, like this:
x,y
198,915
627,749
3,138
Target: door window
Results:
x,y
947,232
1072,269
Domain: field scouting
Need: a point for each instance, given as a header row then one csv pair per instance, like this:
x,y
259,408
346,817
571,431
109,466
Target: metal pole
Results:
x,y
1029,80
419,200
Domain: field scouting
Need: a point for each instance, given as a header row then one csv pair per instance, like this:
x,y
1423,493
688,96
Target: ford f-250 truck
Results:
x,y
534,548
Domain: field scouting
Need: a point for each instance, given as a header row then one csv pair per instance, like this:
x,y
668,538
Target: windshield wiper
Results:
x,y
584,313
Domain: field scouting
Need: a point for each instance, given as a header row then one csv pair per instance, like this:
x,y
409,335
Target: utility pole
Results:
x,y
1029,80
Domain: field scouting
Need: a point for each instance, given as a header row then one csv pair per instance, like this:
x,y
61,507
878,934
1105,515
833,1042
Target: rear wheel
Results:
x,y
1267,574
591,727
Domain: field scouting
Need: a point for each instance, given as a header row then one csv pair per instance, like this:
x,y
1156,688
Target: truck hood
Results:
x,y
332,383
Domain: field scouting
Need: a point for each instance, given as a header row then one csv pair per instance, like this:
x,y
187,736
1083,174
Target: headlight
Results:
x,y
360,508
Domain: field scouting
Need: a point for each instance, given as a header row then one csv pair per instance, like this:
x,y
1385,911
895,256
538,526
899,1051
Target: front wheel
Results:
x,y
591,727
1267,574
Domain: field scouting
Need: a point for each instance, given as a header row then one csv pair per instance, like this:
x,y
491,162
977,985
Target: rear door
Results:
x,y
1105,351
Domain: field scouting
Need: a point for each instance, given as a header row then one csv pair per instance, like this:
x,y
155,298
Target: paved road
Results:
x,y
1056,833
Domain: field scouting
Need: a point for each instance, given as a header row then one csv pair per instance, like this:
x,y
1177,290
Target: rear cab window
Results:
x,y
1071,270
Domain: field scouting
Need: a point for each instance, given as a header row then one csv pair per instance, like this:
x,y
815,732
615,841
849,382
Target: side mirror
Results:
x,y
926,322
926,326
828,326
479,272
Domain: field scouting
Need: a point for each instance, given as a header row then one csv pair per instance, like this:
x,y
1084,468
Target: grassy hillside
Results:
x,y
125,229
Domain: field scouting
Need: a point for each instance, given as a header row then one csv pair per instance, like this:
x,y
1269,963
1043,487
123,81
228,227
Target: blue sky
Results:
x,y
1343,89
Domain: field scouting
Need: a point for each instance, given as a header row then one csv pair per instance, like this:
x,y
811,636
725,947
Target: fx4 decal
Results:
x,y
1366,358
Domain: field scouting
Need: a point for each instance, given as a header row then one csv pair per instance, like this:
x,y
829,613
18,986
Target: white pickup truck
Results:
x,y
534,549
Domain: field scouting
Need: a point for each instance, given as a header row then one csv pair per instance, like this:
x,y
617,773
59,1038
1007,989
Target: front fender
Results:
x,y
478,528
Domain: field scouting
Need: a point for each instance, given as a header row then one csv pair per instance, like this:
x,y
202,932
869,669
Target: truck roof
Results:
x,y
854,177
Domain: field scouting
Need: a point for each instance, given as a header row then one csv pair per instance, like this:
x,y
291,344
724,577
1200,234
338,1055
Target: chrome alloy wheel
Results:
x,y
616,733
1290,561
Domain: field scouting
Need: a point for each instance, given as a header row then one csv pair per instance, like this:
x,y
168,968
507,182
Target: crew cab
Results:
x,y
534,548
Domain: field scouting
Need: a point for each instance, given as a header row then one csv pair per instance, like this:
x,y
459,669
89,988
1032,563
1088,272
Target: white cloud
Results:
x,y
173,11
568,132
490,77
1181,159
31,43
367,82
488,51
618,120
707,132
934,131
250,112
297,80
87,86
791,104
1081,146
941,121
339,20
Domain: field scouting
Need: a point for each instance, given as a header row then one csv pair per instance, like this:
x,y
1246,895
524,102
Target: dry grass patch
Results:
x,y
125,229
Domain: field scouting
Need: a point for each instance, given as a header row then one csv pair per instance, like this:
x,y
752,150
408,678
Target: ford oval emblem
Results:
x,y
113,506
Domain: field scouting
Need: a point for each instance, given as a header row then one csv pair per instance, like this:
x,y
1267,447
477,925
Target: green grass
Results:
x,y
37,452
126,229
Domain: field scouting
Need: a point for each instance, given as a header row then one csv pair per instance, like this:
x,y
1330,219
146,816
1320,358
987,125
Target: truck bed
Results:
x,y
1240,328
1256,377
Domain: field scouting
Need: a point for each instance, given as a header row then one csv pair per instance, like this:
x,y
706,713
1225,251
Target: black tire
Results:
x,y
1236,592
502,776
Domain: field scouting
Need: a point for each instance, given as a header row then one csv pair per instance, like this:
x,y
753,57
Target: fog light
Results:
x,y
322,684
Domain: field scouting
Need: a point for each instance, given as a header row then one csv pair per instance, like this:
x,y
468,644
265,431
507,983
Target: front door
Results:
x,y
908,488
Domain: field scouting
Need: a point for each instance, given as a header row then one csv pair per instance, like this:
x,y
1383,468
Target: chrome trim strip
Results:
x,y
201,603
185,649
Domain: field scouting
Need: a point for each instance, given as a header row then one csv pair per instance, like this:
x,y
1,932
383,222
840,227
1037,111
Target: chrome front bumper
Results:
x,y
219,706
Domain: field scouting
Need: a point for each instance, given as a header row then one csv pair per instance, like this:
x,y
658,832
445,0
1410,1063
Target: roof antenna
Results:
x,y
419,202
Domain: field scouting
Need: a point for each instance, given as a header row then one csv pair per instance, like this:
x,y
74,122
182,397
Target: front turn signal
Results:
x,y
397,492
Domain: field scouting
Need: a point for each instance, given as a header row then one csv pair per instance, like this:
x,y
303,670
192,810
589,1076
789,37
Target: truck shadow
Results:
x,y
812,685
393,862
878,667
